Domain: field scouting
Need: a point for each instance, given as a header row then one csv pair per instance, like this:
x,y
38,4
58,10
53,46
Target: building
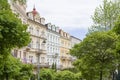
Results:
x,y
74,41
35,52
65,57
37,48
48,45
53,45
19,9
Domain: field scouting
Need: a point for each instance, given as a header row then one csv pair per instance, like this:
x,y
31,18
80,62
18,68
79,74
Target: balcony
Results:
x,y
40,51
27,48
70,58
43,65
73,59
63,57
30,61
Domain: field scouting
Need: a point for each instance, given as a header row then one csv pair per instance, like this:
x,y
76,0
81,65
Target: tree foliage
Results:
x,y
65,75
96,55
12,35
46,74
116,29
12,68
105,16
25,72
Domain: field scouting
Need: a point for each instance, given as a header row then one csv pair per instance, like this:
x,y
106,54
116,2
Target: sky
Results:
x,y
73,16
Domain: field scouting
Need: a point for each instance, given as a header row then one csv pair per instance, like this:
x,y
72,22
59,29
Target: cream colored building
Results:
x,y
37,47
65,57
35,52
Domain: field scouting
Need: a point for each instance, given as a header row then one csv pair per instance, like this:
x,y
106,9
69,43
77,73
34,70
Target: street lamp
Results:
x,y
38,66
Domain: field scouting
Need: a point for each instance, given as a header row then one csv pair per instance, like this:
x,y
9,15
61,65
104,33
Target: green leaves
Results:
x,y
65,75
105,16
46,74
12,31
12,35
95,51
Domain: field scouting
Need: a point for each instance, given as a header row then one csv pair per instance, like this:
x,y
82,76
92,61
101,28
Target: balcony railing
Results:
x,y
40,51
70,58
44,65
30,61
63,57
28,48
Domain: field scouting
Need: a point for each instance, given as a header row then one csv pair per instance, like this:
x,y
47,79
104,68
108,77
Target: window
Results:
x,y
37,32
31,59
15,53
42,59
37,45
20,54
31,44
31,30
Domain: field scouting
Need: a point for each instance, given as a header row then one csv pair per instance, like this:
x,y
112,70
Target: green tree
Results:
x,y
9,67
25,72
105,15
116,29
46,74
53,66
64,75
96,53
78,76
12,35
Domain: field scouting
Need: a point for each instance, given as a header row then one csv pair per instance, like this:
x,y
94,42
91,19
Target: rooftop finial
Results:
x,y
34,7
34,11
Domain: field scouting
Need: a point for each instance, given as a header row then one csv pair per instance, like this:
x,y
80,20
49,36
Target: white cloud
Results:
x,y
66,13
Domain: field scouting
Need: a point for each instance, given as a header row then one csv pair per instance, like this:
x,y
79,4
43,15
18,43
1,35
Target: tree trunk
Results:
x,y
113,75
101,75
7,77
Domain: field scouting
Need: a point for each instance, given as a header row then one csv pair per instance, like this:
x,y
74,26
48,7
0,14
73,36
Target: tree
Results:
x,y
78,76
116,29
12,35
46,74
65,75
25,72
12,32
9,67
105,15
96,53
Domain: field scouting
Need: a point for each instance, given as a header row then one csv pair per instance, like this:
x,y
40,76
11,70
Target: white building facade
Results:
x,y
74,40
53,45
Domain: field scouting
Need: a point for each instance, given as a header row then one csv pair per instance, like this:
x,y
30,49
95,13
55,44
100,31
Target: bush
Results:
x,y
64,75
46,74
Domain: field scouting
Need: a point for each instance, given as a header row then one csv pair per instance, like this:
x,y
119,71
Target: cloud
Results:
x,y
67,14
